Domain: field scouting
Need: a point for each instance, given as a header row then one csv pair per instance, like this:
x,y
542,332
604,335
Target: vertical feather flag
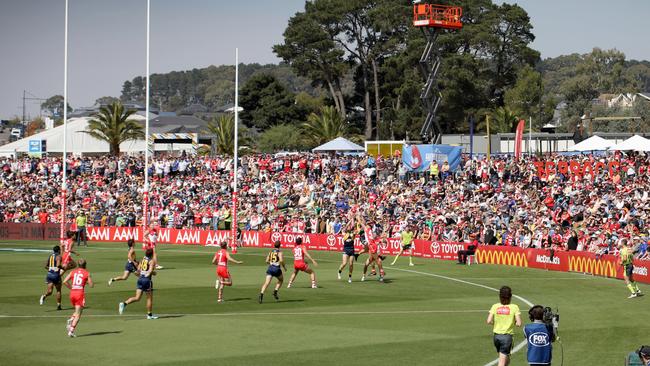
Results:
x,y
518,137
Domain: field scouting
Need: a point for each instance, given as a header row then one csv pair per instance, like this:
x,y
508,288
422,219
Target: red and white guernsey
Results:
x,y
298,255
222,258
370,235
79,278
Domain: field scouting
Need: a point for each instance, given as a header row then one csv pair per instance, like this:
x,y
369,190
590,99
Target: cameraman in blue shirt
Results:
x,y
539,336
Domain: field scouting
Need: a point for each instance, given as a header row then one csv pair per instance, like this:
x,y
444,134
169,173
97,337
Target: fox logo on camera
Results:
x,y
539,339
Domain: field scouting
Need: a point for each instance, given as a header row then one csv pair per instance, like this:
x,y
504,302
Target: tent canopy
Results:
x,y
636,143
593,143
339,144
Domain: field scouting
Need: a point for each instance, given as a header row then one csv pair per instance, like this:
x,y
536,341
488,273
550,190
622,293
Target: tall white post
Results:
x,y
233,229
145,194
64,181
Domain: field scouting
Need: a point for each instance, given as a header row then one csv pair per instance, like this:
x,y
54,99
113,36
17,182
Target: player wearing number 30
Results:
x,y
275,261
145,284
80,277
299,254
221,259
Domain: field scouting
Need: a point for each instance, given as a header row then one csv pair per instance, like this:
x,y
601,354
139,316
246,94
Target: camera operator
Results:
x,y
539,335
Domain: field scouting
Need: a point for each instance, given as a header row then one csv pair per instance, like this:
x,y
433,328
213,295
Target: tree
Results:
x,y
322,128
54,106
223,129
113,124
502,120
280,137
106,101
266,102
525,96
312,53
34,126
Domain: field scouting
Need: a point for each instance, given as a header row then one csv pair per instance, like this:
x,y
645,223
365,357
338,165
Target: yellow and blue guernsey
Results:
x,y
53,271
146,270
274,264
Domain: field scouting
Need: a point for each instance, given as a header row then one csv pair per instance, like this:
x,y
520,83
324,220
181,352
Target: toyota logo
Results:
x,y
276,237
383,245
435,248
331,240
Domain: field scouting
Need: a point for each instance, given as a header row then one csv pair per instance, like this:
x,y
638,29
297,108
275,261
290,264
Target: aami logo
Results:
x,y
546,259
276,236
538,339
641,271
435,248
331,240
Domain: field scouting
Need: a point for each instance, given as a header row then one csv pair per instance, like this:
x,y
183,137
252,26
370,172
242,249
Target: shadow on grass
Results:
x,y
100,333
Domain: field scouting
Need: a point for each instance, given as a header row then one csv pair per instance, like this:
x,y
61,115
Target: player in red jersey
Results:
x,y
131,265
80,277
149,241
375,257
299,254
66,246
221,259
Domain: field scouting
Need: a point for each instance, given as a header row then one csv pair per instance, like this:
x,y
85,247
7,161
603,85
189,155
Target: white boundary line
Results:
x,y
261,314
519,346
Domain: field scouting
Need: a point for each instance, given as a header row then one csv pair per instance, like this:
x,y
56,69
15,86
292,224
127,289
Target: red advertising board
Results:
x,y
582,262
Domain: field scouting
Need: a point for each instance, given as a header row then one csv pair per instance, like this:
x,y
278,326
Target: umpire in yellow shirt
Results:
x,y
504,316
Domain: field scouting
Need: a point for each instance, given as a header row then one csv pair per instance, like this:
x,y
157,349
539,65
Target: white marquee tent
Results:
x,y
636,143
339,144
594,143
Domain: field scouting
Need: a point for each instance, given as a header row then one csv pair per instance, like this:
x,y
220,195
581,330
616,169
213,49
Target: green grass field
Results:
x,y
420,316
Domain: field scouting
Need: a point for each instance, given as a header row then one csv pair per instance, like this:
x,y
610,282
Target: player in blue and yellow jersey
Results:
x,y
275,261
348,253
626,260
131,265
146,270
53,278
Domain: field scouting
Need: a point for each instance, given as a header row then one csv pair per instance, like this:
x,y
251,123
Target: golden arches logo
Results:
x,y
592,266
498,257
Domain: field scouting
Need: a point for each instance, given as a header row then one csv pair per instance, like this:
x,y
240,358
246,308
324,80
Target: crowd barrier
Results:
x,y
582,262
572,261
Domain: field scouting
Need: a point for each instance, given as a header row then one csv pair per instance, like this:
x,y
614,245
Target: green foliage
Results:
x,y
502,120
106,100
266,102
525,96
213,86
281,138
323,127
223,128
113,124
54,105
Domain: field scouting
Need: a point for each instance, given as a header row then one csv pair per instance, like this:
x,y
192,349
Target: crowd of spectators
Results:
x,y
501,201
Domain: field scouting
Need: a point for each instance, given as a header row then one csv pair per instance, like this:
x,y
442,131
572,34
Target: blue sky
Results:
x,y
107,39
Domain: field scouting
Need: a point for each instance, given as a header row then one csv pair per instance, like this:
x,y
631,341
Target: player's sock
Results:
x,y
41,301
110,282
58,306
629,286
121,307
339,275
636,288
261,297
356,256
313,284
275,295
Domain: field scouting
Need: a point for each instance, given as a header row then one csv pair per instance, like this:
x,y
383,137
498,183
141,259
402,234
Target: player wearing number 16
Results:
x,y
221,259
80,278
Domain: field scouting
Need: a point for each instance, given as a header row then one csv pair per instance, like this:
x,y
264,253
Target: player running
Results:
x,y
626,261
374,257
299,254
131,265
221,259
80,277
348,253
150,239
407,244
67,244
275,261
53,278
145,284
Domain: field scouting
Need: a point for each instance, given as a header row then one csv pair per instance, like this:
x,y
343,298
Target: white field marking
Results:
x,y
25,250
264,314
525,301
